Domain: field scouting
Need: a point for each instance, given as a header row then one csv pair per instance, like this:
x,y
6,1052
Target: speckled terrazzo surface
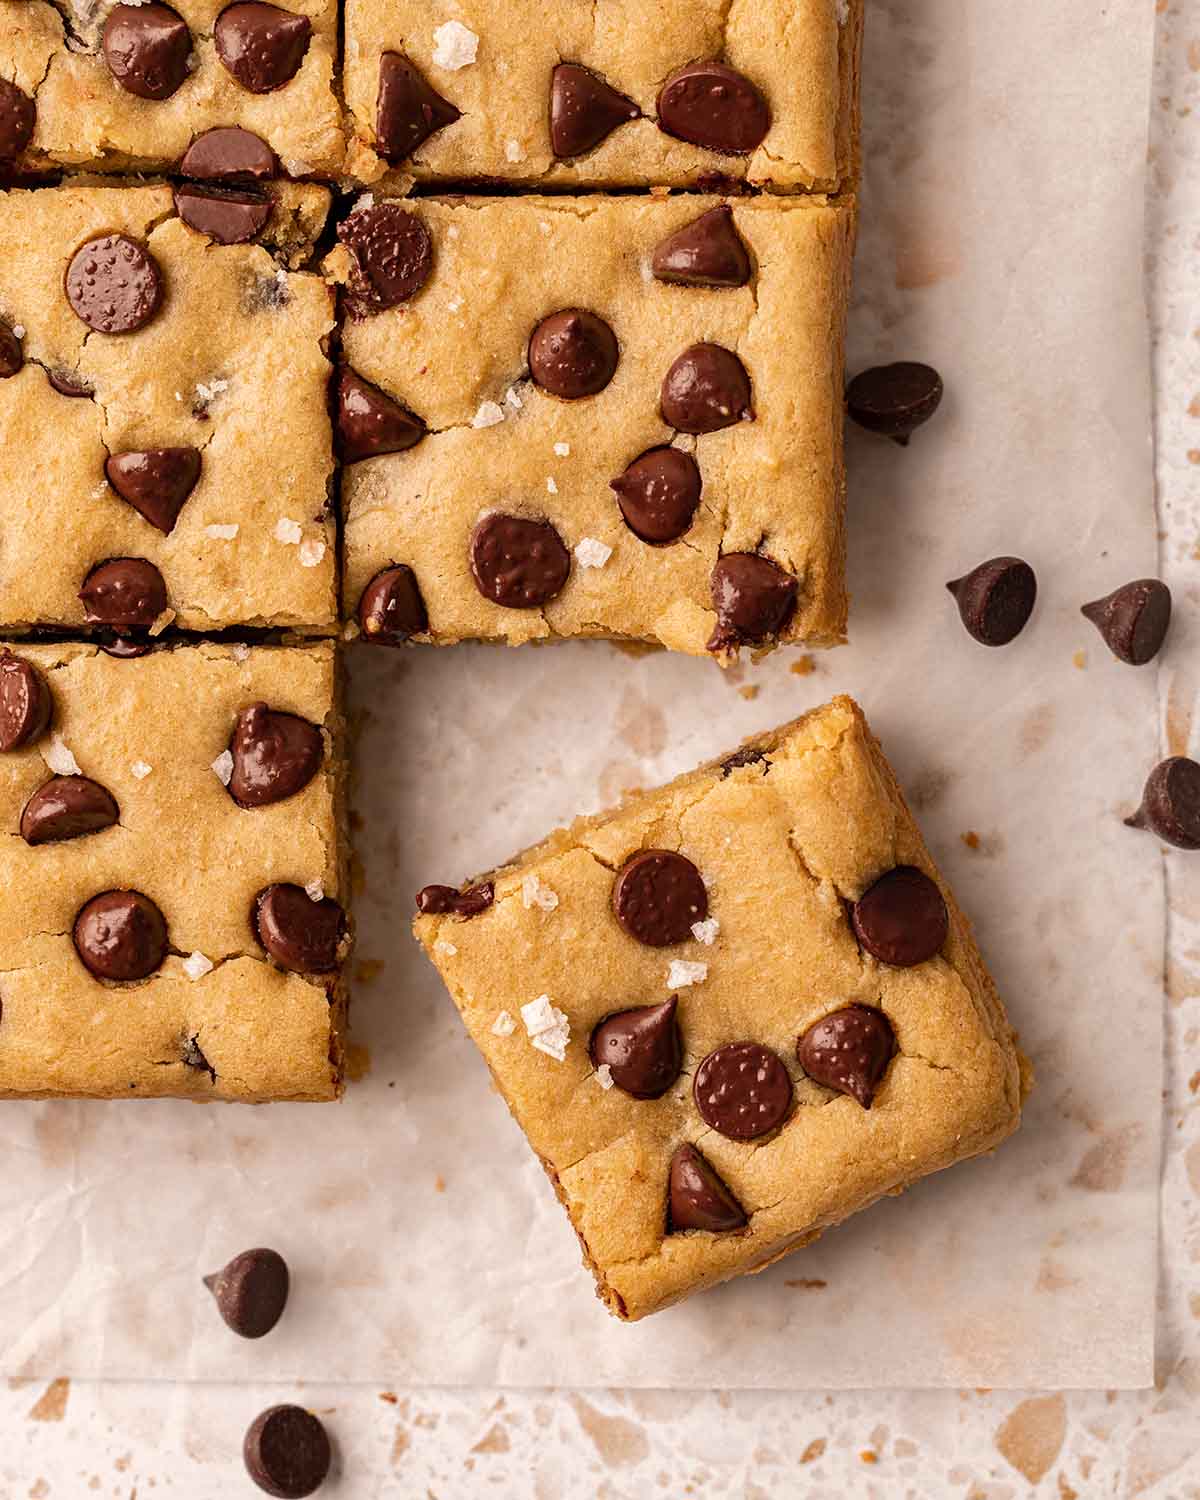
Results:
x,y
132,1441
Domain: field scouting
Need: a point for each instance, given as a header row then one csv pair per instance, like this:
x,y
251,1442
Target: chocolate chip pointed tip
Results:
x,y
26,703
894,400
146,47
155,482
67,807
996,599
643,1048
584,110
251,1291
706,389
657,896
368,421
303,936
573,353
1170,807
848,1050
697,1198
275,755
261,45
708,252
1133,619
658,495
408,109
287,1452
391,609
754,600
120,935
901,920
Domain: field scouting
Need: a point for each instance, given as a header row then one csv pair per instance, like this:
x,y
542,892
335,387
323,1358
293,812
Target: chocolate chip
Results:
x,y
707,252
996,599
121,935
392,254
251,1291
194,1058
125,591
147,47
1133,619
300,934
750,756
407,109
229,154
444,900
657,896
18,114
743,1090
584,109
517,563
894,400
228,216
754,599
697,1198
122,647
113,284
12,356
391,608
707,388
713,106
25,702
572,354
286,1452
155,481
642,1049
67,807
848,1050
261,45
1171,803
275,755
68,385
658,494
901,920
368,422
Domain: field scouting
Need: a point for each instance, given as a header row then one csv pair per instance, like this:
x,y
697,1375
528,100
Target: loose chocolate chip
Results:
x,y
146,47
121,935
712,106
67,807
1171,803
18,114
229,154
1133,619
901,920
573,353
697,1198
996,599
407,109
125,592
391,608
392,251
707,252
228,216
261,45
275,755
707,388
368,422
754,599
251,1291
444,900
894,400
657,896
642,1049
584,109
286,1452
517,563
68,385
155,481
113,284
300,934
25,702
12,356
743,1090
849,1051
658,494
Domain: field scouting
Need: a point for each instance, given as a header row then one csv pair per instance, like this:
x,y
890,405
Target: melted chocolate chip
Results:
x,y
251,1291
517,563
391,608
901,920
300,934
122,647
67,807
113,284
155,481
584,109
193,1057
229,154
848,1050
1171,803
707,252
658,495
750,756
147,47
12,356
894,400
25,702
286,1452
120,935
707,388
392,255
713,106
697,1198
18,115
743,1090
369,422
444,900
754,599
573,354
1133,619
996,599
261,45
657,897
228,216
275,755
124,592
408,110
642,1049
68,385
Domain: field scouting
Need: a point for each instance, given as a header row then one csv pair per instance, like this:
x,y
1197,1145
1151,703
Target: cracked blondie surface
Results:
x,y
128,789
693,1143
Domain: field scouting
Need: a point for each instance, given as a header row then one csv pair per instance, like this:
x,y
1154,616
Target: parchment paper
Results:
x,y
1001,241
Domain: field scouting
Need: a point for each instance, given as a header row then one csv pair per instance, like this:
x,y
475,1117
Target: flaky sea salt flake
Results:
x,y
221,532
312,551
604,1077
514,151
196,966
140,769
706,932
563,450
454,45
489,414
222,767
59,758
503,1025
590,553
683,972
534,893
288,531
315,891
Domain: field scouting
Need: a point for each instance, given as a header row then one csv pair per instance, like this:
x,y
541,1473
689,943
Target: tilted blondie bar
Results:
x,y
627,93
184,383
595,417
732,1012
125,87
171,875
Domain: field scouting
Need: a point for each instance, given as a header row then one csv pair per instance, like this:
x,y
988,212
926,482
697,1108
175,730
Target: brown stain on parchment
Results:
x,y
358,1061
1102,1167
929,786
400,1443
641,725
1179,718
618,1441
813,1451
494,1440
1036,729
1031,1436
1052,1277
51,1405
1191,1161
56,1132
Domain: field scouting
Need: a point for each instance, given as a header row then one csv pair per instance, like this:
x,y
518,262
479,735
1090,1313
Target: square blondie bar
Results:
x,y
613,417
732,1012
172,876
